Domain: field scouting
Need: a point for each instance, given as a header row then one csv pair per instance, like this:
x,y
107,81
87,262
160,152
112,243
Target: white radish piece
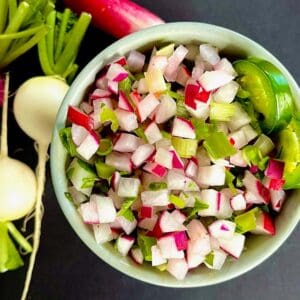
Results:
x,y
211,175
264,224
137,255
155,81
142,87
197,250
124,243
127,120
196,230
164,158
118,201
168,248
239,119
238,160
102,233
226,93
219,258
89,212
211,198
177,268
233,246
209,53
126,142
277,199
141,154
159,62
165,110
225,65
222,229
121,161
155,198
211,80
124,103
183,75
105,206
135,61
148,223
155,169
116,73
79,133
127,226
89,146
146,106
183,128
128,187
238,202
153,133
77,196
157,258
169,223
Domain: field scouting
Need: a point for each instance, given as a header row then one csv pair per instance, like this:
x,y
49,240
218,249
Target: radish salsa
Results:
x,y
177,156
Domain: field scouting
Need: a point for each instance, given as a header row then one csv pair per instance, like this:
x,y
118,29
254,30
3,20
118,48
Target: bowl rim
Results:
x,y
61,116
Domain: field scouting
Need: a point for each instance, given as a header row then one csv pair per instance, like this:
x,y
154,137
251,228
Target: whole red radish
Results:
x,y
117,17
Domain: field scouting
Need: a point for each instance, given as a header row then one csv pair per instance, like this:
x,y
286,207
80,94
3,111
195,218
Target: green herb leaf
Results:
x,y
125,210
103,170
192,212
140,133
66,139
229,178
247,221
69,197
145,243
88,182
125,86
178,202
209,258
108,115
156,186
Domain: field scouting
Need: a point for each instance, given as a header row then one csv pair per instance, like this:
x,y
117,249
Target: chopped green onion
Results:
x,y
209,258
88,182
108,115
181,109
166,135
218,146
141,133
202,129
185,148
125,210
264,144
103,170
252,155
221,111
105,147
192,212
178,202
145,243
246,221
229,178
69,197
125,86
66,139
156,186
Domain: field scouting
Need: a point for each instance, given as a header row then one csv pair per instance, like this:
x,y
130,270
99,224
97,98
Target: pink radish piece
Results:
x,y
178,216
141,154
124,243
102,82
177,268
157,258
181,240
75,115
89,212
121,61
105,206
113,86
197,250
209,54
124,102
275,169
126,142
183,75
164,158
196,230
128,187
99,93
121,161
115,179
211,175
116,72
183,128
264,224
142,86
158,62
118,201
135,61
168,248
168,223
146,106
155,198
148,223
222,229
191,169
165,110
211,80
238,160
127,120
79,133
211,198
277,199
86,107
274,184
102,233
127,226
238,202
89,145
137,255
146,212
177,163
155,169
152,133
225,65
233,246
219,258
77,196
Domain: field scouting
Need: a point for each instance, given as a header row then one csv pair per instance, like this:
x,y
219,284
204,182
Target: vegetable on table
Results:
x,y
117,17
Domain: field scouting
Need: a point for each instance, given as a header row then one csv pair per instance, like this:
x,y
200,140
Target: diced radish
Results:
x,y
89,212
256,188
168,223
102,82
135,61
79,133
75,115
203,157
127,120
153,133
191,169
155,81
124,243
197,250
115,225
209,53
113,86
196,230
141,154
102,233
142,87
181,240
136,205
155,169
146,212
209,197
105,206
137,255
198,70
146,107
239,119
164,158
183,128
211,175
219,258
173,63
165,110
225,65
264,224
86,107
275,169
118,201
222,229
126,143
214,243
191,90
178,181
116,72
77,196
178,216
121,161
157,258
115,179
135,97
226,93
233,246
177,268
121,61
238,160
177,163
164,143
238,202
274,184
115,233
211,80
89,145
99,93
183,75
148,223
159,62
238,139
201,111
277,199
127,226
124,102
155,198
128,187
189,198
168,248
224,209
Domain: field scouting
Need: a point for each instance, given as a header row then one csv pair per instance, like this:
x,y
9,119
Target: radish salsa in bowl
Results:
x,y
179,156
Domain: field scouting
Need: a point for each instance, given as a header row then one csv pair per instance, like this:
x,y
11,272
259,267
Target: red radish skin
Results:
x,y
117,17
275,169
76,116
115,179
137,255
181,240
146,212
263,191
121,61
124,102
156,169
276,184
99,93
176,161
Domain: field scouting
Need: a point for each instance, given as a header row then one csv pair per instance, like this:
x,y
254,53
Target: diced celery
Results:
x,y
264,144
105,147
178,202
166,50
246,221
145,243
103,170
221,111
185,148
108,115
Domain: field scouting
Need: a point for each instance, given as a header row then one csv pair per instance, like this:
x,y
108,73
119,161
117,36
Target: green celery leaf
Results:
x,y
125,210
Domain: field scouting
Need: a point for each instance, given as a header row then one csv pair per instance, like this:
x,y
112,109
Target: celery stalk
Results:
x,y
3,14
50,37
18,237
23,33
12,4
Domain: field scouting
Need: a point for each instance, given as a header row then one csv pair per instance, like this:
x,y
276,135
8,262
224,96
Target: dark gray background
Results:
x,y
65,268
